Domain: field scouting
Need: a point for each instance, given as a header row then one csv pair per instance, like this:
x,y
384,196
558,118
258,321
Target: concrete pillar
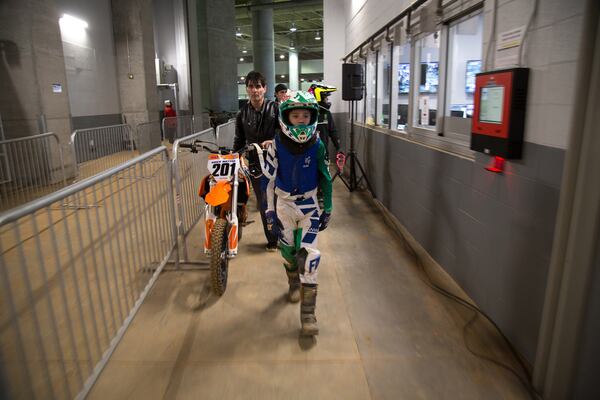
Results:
x,y
294,70
195,82
217,54
262,45
33,80
334,34
134,45
31,62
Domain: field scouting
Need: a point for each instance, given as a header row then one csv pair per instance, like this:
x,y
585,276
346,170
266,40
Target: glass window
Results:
x,y
371,86
426,80
359,106
400,94
464,61
383,84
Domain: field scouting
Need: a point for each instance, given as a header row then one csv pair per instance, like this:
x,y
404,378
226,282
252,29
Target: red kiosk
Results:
x,y
499,112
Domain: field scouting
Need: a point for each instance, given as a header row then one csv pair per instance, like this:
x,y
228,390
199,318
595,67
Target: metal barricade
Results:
x,y
98,149
30,167
72,280
189,169
225,134
177,127
147,136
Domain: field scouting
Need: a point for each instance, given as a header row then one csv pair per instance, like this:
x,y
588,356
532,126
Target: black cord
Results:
x,y
477,311
535,395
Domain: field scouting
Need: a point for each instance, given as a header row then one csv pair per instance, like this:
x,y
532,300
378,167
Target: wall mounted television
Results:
x,y
473,68
429,77
403,78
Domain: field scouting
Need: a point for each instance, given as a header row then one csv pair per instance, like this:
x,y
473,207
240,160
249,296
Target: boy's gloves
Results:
x,y
324,220
273,223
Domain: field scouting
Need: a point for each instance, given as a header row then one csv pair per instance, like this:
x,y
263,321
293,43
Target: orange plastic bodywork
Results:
x,y
208,225
219,193
233,238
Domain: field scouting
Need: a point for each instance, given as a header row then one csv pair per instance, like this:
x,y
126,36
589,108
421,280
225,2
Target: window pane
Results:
x,y
359,105
371,94
383,85
402,86
427,80
464,61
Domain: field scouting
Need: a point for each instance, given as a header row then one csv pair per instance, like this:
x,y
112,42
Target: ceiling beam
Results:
x,y
280,4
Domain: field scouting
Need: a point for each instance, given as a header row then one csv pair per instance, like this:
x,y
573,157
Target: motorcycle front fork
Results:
x,y
232,224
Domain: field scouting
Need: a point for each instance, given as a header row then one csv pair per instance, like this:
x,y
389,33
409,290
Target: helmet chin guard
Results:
x,y
299,100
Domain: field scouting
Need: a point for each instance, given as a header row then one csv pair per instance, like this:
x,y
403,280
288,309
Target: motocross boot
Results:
x,y
308,294
293,295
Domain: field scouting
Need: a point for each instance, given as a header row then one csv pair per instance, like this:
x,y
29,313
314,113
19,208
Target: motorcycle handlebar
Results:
x,y
199,145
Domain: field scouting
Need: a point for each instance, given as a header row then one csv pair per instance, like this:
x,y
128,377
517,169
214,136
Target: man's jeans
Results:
x,y
259,185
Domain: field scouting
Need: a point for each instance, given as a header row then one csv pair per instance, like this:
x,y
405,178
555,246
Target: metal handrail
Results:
x,y
32,206
185,220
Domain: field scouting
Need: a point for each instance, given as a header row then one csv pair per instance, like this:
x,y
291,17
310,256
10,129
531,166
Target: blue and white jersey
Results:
x,y
290,175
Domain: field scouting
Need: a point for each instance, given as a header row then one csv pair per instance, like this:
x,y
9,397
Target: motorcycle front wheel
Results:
x,y
219,261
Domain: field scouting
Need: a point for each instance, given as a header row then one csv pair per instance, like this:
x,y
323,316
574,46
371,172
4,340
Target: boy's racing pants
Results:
x,y
299,228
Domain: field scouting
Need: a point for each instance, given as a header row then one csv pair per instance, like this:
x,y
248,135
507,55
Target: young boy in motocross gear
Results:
x,y
296,165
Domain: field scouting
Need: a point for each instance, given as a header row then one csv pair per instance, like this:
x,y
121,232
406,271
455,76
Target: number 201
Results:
x,y
221,169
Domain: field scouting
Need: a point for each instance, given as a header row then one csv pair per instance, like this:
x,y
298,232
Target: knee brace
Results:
x,y
307,260
289,255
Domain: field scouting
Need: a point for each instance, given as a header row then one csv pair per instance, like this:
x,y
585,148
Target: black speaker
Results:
x,y
352,81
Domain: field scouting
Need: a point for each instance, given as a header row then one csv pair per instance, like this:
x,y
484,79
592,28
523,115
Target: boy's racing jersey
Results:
x,y
295,176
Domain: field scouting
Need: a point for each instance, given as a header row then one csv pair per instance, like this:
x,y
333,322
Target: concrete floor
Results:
x,y
384,333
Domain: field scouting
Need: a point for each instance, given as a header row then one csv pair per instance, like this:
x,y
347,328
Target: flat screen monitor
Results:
x,y
429,77
403,78
473,68
491,102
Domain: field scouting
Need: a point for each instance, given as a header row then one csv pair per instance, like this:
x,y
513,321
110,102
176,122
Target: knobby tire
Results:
x,y
219,261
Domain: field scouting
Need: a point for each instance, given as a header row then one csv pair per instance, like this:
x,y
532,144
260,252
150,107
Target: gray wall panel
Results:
x,y
491,232
586,381
93,121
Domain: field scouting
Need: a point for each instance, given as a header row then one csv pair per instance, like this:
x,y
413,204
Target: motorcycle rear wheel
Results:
x,y
219,262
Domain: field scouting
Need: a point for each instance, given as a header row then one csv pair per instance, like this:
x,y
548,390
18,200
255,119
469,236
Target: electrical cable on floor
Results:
x,y
525,382
429,282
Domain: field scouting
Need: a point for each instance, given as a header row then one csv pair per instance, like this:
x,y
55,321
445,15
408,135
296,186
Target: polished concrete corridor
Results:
x,y
384,334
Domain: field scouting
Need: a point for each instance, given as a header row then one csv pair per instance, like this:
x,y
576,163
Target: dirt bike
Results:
x,y
217,118
225,191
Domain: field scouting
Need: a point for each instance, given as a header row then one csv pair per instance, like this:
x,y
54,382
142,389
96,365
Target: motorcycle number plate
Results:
x,y
222,167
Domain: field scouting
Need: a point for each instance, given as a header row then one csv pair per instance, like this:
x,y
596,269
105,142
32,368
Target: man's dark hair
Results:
x,y
256,77
280,87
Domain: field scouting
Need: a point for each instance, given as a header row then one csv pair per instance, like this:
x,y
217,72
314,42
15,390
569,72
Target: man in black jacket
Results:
x,y
257,122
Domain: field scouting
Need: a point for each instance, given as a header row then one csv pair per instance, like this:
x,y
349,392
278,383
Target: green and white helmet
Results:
x,y
304,100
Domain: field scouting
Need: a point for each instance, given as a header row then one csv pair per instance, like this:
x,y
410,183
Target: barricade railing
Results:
x,y
225,133
72,280
147,136
30,167
189,169
98,149
177,127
